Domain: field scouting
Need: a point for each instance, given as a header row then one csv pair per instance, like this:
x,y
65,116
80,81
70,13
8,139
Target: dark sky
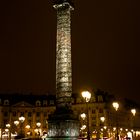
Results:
x,y
105,46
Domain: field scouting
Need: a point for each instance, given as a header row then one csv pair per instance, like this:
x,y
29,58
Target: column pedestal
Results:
x,y
63,125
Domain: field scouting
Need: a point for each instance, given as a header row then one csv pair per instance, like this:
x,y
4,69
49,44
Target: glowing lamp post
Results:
x,y
22,119
16,123
87,95
36,131
133,111
83,116
38,124
8,125
102,119
28,127
116,107
8,132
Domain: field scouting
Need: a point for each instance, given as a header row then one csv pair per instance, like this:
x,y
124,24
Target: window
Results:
x,y
44,102
93,111
45,114
6,102
37,114
100,110
5,114
93,99
72,100
51,102
94,124
14,114
100,98
29,114
21,113
78,100
38,103
94,118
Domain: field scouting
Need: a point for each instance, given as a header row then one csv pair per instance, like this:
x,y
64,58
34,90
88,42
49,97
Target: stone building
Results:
x,y
37,108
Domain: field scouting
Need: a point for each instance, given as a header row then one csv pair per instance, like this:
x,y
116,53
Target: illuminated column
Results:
x,y
63,54
63,124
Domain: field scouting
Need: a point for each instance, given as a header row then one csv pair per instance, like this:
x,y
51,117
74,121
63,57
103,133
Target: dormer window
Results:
x,y
6,102
72,100
44,102
38,103
100,98
78,100
51,102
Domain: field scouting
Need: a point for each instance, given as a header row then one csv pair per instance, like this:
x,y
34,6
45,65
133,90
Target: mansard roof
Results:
x,y
15,98
22,104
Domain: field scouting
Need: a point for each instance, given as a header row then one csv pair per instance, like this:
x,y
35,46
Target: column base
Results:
x,y
61,138
63,125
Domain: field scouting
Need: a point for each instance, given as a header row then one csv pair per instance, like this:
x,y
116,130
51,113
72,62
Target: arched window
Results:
x,y
6,102
38,103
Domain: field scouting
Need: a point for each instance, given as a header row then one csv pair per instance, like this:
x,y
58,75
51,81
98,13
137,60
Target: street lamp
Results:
x,y
116,107
133,111
16,123
38,124
8,132
28,127
102,119
87,95
22,119
83,116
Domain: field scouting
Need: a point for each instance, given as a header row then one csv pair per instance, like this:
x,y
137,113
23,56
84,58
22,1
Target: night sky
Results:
x,y
105,46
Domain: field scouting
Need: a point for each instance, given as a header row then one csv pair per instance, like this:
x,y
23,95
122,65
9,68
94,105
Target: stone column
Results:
x,y
63,55
63,124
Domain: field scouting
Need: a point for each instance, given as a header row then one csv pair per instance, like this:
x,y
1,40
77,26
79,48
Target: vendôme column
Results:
x,y
63,124
63,54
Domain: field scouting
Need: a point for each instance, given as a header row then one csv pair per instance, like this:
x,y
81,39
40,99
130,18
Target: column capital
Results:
x,y
62,3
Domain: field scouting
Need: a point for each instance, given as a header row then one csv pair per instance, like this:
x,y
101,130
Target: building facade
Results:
x,y
37,108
